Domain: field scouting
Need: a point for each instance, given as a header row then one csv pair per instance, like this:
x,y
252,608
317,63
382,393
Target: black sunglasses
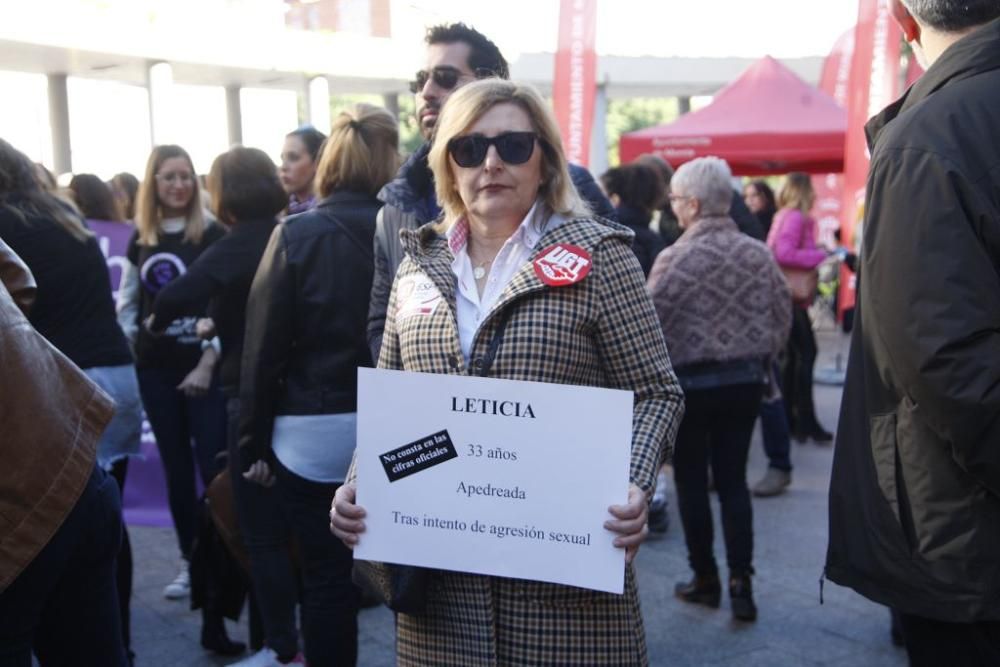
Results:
x,y
444,77
512,147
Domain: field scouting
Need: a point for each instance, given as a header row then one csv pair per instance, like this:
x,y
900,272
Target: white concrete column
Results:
x,y
234,115
160,86
319,103
62,154
599,132
391,102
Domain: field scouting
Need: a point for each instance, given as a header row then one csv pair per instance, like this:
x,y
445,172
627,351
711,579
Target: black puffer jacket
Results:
x,y
306,315
915,491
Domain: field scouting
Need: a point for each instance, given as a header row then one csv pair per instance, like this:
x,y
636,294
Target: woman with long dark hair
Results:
x,y
759,198
95,199
635,191
75,312
125,187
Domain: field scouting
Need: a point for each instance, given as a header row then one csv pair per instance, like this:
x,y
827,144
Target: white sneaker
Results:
x,y
180,587
262,658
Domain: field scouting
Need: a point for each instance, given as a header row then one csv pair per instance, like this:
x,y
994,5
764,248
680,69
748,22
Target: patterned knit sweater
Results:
x,y
719,295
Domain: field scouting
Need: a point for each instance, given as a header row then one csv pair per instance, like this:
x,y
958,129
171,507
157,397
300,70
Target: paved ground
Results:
x,y
793,628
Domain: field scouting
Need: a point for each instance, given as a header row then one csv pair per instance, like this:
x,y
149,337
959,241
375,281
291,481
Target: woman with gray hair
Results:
x,y
724,308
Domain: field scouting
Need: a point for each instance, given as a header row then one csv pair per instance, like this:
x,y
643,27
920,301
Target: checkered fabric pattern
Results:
x,y
601,331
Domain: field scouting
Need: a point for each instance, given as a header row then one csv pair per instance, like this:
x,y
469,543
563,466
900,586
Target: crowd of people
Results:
x,y
251,297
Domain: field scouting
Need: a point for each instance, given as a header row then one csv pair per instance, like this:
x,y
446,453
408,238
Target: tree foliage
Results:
x,y
635,114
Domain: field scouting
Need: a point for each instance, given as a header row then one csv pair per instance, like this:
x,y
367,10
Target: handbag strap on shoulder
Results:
x,y
491,351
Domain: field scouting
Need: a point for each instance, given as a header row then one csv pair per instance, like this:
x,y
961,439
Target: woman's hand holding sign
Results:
x,y
630,522
346,517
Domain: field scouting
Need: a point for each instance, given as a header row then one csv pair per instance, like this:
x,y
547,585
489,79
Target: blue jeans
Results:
x,y
774,432
64,605
122,436
267,536
329,598
178,421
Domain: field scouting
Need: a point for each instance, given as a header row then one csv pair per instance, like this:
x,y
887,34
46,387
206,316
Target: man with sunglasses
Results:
x,y
456,55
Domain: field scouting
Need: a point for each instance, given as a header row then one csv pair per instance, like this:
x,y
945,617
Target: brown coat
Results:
x,y
51,417
602,332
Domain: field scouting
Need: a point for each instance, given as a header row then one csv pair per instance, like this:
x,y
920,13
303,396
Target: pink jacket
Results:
x,y
792,239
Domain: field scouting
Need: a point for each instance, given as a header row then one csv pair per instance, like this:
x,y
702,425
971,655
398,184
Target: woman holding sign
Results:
x,y
542,292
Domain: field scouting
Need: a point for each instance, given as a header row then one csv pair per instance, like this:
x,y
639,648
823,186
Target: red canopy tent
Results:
x,y
768,121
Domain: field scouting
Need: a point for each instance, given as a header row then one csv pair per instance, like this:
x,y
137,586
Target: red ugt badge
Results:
x,y
562,264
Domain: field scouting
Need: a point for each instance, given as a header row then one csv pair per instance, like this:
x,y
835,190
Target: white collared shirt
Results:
x,y
471,309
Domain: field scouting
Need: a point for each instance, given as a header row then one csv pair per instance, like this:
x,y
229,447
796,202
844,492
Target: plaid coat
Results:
x,y
601,331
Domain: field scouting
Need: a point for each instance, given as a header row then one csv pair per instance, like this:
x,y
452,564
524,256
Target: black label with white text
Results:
x,y
418,455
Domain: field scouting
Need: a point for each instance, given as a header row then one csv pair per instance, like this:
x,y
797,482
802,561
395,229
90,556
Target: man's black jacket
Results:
x,y
915,492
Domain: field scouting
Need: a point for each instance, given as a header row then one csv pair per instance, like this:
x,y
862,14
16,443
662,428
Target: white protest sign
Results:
x,y
491,476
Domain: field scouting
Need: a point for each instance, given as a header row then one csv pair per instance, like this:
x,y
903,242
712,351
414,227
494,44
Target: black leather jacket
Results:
x,y
306,317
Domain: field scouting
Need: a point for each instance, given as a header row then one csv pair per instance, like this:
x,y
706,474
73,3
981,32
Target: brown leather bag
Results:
x,y
802,284
222,509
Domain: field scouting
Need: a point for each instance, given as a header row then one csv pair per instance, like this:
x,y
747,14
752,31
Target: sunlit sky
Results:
x,y
109,122
695,28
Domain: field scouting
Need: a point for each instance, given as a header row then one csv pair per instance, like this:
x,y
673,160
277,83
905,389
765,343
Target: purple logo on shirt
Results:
x,y
160,269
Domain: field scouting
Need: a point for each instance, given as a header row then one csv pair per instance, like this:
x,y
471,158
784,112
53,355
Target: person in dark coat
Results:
x,y
246,197
667,225
915,489
759,199
76,313
305,339
62,520
745,220
635,190
456,55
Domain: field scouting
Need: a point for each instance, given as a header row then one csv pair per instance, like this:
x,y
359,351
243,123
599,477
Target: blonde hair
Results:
x,y
465,107
149,212
797,192
361,152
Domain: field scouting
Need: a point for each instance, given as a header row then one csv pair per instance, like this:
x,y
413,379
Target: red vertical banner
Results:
x,y
874,83
574,85
835,82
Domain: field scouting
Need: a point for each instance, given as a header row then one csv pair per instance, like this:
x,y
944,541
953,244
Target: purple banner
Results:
x,y
145,500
